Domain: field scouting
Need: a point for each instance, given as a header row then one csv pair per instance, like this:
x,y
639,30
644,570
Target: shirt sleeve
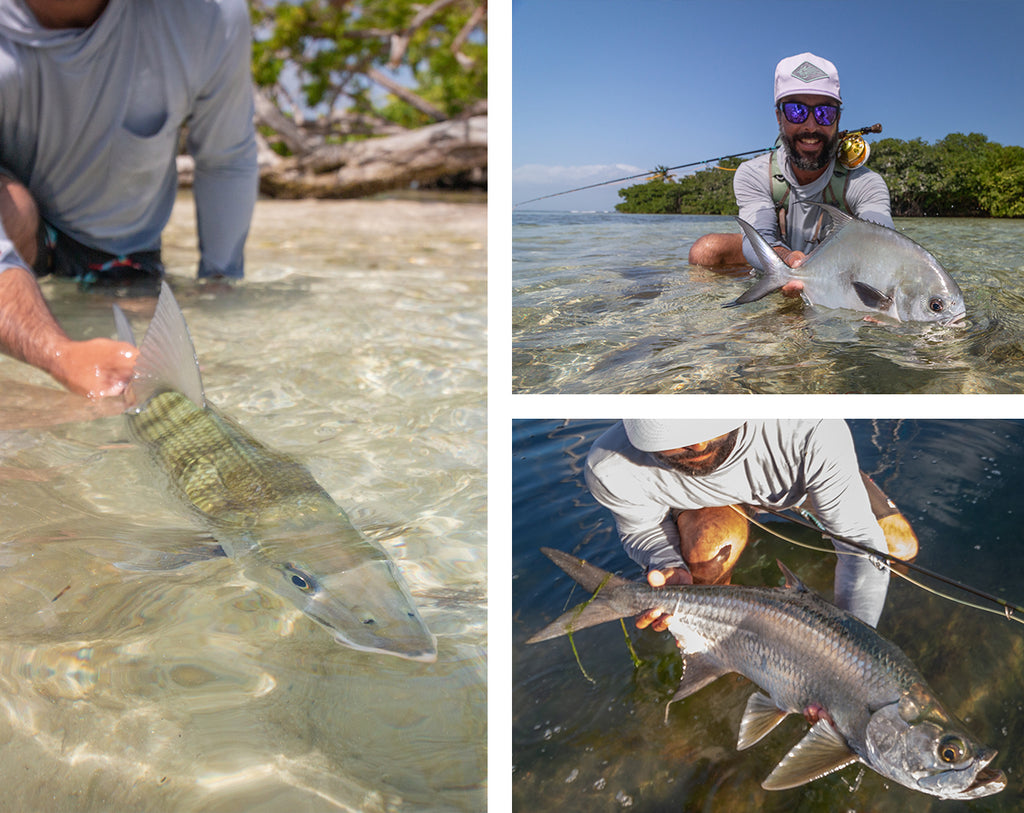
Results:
x,y
222,139
868,197
841,503
753,191
646,528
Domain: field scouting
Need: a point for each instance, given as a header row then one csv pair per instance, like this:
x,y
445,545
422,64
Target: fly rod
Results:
x,y
883,559
843,135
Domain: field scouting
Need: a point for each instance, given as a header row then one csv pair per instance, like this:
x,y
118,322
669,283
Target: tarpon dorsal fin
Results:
x,y
871,296
167,358
819,753
759,718
792,580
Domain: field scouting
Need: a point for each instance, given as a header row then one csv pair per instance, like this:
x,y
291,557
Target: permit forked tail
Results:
x,y
775,273
167,359
596,610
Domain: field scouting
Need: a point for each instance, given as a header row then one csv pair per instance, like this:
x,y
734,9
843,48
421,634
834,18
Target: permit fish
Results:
x,y
864,267
866,700
263,507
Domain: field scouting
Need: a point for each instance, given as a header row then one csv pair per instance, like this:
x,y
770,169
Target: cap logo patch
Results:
x,y
806,72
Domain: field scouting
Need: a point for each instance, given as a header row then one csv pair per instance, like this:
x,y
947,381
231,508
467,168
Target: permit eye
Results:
x,y
936,305
951,749
303,581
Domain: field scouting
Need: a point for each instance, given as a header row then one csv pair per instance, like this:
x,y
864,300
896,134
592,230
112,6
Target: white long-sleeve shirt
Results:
x,y
775,463
90,121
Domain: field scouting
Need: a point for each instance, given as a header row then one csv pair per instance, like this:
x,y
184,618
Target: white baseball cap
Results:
x,y
806,73
661,434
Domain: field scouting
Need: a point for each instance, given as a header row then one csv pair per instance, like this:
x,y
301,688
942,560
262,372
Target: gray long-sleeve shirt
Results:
x,y
866,194
775,463
90,121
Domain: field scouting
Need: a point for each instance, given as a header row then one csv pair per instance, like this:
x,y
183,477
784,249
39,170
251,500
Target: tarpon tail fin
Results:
x,y
167,359
775,273
593,611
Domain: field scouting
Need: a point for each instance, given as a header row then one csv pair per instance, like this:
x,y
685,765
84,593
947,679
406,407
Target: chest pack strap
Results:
x,y
834,193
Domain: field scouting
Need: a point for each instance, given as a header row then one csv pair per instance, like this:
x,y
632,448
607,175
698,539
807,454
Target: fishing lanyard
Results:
x,y
886,561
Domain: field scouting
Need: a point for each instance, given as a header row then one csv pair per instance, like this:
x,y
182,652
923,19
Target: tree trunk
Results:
x,y
361,168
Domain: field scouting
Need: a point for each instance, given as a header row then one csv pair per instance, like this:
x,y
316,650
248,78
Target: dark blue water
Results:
x,y
605,745
609,303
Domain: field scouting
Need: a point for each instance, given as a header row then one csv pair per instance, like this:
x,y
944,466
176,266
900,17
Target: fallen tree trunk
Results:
x,y
361,168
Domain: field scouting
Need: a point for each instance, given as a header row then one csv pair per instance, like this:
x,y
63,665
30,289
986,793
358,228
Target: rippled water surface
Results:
x,y
604,743
608,303
356,344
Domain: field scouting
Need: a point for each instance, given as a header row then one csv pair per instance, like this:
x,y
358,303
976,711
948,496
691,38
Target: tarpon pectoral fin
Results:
x,y
819,753
759,718
698,671
872,297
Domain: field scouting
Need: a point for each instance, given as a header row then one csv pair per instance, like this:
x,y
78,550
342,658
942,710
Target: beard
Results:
x,y
811,164
704,462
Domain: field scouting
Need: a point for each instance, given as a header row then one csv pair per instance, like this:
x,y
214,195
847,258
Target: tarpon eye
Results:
x,y
936,305
951,749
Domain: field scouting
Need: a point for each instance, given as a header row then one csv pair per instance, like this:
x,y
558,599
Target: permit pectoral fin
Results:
x,y
872,297
759,718
167,358
819,753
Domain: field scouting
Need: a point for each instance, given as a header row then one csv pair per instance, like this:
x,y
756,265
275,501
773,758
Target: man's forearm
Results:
x,y
28,331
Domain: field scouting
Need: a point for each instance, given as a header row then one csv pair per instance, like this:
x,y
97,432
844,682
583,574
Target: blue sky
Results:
x,y
606,89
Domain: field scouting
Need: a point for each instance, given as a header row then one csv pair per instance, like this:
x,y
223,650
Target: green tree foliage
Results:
x,y
401,61
958,176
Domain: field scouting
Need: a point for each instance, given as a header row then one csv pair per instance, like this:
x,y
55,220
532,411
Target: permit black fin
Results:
x,y
872,297
759,718
819,753
775,273
167,358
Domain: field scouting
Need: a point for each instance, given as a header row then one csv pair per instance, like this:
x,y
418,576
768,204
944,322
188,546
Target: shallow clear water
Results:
x,y
356,344
608,303
606,744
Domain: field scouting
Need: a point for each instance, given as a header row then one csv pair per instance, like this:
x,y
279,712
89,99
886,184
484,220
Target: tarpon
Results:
x,y
866,700
865,267
263,507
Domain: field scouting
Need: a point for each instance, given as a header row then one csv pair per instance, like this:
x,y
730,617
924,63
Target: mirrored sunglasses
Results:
x,y
797,113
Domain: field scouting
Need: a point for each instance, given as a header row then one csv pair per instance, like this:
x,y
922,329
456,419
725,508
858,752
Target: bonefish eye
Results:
x,y
936,305
305,582
951,749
